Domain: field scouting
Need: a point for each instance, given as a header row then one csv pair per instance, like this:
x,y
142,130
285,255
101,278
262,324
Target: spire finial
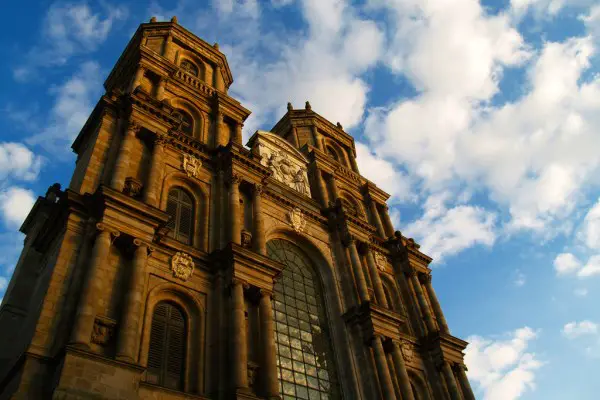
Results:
x,y
216,46
152,20
307,106
340,126
289,106
174,19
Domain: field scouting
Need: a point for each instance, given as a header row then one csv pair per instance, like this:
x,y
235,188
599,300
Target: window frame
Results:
x,y
176,218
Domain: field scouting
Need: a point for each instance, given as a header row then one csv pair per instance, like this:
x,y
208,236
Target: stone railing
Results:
x,y
193,82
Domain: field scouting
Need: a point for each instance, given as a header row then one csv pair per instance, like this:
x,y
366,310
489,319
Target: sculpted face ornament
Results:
x,y
408,351
297,219
182,266
380,261
191,166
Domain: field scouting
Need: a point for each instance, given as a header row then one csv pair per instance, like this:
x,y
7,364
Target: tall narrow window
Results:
x,y
166,355
186,122
305,359
180,208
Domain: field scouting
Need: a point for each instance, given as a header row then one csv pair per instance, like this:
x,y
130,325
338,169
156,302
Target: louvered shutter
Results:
x,y
166,354
180,208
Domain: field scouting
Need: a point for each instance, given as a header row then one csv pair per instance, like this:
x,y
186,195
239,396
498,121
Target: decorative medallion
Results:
x,y
297,219
182,265
191,166
408,351
246,239
380,261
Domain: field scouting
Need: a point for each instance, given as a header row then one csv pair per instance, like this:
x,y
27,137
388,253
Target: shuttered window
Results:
x,y
180,208
166,354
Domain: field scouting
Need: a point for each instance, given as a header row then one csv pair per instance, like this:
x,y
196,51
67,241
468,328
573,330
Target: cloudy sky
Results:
x,y
480,118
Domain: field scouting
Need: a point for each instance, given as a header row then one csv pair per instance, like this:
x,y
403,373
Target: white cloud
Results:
x,y
383,174
69,29
590,229
591,268
574,330
503,368
15,204
74,100
532,155
520,278
17,161
581,292
566,263
444,231
324,65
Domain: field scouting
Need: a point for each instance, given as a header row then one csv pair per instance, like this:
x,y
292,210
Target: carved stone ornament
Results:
x,y
133,187
287,165
103,331
297,219
380,261
246,239
182,266
408,351
191,166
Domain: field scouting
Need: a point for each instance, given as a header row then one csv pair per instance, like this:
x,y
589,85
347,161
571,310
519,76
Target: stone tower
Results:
x,y
179,264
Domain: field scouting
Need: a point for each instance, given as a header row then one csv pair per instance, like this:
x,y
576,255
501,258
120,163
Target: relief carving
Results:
x,y
297,219
287,165
380,261
182,266
408,352
103,331
191,166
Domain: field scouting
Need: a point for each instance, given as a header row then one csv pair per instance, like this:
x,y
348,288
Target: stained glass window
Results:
x,y
304,357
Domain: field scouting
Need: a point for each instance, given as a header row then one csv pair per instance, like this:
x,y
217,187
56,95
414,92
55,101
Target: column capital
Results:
x,y
460,367
424,278
265,293
235,179
410,272
238,281
160,139
102,227
259,189
133,127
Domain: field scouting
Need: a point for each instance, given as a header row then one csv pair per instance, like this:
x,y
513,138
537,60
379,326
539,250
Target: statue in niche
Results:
x,y
300,182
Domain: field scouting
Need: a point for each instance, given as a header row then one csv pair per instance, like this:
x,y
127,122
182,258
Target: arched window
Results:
x,y
181,209
305,359
332,153
166,355
189,67
186,122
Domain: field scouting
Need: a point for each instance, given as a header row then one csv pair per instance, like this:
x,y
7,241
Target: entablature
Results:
x,y
445,347
374,320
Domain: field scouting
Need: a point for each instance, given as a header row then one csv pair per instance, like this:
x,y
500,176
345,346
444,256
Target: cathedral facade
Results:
x,y
181,264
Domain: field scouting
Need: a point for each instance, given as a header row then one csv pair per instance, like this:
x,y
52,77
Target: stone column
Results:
x,y
426,312
222,228
435,304
464,381
376,279
258,237
317,137
92,288
322,187
295,140
122,163
219,83
218,128
130,319
238,133
137,78
267,334
239,348
385,380
400,366
333,187
154,176
450,381
376,218
353,160
389,227
359,277
234,210
160,90
168,46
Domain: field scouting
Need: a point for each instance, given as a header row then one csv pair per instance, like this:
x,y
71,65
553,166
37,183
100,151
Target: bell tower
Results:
x,y
179,263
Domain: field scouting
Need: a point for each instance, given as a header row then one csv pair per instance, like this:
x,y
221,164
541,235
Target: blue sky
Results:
x,y
480,118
